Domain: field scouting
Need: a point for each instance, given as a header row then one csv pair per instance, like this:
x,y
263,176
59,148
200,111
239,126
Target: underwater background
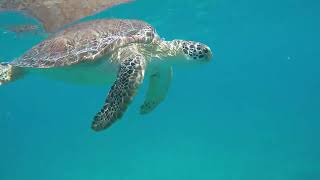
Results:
x,y
253,113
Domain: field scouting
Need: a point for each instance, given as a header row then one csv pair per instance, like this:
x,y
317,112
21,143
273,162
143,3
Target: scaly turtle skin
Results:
x,y
101,50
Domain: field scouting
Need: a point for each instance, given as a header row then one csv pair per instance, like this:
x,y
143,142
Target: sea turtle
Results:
x,y
101,51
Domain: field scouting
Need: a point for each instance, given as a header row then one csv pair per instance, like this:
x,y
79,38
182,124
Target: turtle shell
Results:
x,y
85,42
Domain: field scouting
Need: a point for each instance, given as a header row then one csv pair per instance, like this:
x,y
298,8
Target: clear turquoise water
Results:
x,y
253,113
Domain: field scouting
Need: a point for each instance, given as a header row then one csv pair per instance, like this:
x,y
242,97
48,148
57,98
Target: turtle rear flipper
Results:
x,y
6,72
9,73
129,78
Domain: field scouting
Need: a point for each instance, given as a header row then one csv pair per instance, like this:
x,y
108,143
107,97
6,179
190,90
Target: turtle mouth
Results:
x,y
209,54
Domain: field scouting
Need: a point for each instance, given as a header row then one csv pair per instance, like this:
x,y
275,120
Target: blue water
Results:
x,y
251,114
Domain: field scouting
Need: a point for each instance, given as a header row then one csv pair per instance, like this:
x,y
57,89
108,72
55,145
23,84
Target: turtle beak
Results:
x,y
209,54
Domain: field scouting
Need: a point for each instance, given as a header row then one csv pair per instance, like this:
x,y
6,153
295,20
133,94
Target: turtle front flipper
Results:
x,y
158,87
129,78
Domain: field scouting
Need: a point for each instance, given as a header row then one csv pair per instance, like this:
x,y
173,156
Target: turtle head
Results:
x,y
194,51
182,51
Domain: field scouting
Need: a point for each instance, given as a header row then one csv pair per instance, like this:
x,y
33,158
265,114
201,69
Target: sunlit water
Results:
x,y
251,114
